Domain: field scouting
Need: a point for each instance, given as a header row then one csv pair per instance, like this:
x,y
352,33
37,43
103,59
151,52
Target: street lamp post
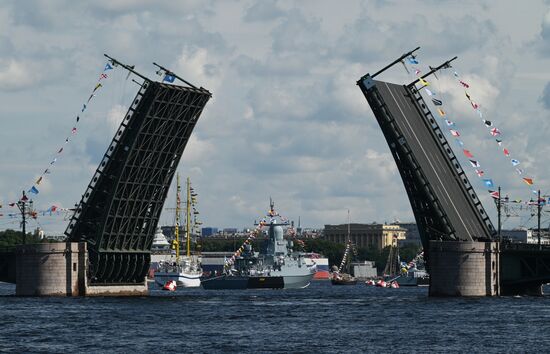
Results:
x,y
22,205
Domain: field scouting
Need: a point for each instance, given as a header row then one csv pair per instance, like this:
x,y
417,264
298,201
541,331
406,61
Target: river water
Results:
x,y
319,319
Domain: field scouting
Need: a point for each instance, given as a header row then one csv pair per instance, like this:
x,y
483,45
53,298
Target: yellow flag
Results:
x,y
441,112
423,82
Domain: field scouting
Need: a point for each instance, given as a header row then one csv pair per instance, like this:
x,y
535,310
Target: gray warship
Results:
x,y
280,267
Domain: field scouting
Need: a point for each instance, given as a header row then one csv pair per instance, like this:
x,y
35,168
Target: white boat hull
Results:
x,y
186,280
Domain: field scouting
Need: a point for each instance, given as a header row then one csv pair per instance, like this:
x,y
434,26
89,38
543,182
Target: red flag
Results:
x,y
506,152
480,173
464,84
495,132
529,181
454,132
468,153
494,194
475,105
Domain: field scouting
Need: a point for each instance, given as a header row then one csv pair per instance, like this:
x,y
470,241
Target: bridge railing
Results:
x,y
511,246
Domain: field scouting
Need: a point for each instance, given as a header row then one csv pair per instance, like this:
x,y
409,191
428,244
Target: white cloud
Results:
x,y
200,67
116,115
286,118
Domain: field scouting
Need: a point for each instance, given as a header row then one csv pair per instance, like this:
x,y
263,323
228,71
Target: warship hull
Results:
x,y
256,282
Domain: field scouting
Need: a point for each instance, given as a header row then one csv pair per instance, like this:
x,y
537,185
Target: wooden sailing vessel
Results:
x,y
338,276
184,270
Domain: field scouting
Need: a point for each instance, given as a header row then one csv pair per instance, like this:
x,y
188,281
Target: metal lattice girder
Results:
x,y
119,211
444,203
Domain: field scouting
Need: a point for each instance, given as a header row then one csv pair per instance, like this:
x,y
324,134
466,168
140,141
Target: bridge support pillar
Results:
x,y
464,268
60,269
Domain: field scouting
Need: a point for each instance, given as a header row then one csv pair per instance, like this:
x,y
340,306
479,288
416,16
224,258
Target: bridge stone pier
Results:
x,y
60,269
464,268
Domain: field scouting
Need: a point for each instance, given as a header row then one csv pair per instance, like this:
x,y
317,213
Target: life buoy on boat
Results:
x,y
170,285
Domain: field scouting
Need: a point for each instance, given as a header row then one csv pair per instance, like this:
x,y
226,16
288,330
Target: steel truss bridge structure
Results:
x,y
120,209
444,203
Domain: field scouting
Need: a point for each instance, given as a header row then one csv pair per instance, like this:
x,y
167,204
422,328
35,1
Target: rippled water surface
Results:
x,y
321,318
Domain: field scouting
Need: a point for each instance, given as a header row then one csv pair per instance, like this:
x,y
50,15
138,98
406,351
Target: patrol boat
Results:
x,y
279,267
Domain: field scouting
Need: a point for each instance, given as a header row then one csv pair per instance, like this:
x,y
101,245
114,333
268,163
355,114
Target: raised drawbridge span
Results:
x,y
461,245
443,201
120,209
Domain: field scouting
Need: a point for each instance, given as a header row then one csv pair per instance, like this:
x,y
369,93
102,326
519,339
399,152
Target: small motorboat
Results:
x,y
342,279
170,285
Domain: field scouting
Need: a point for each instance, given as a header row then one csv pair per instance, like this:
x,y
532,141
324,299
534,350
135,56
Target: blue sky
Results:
x,y
286,119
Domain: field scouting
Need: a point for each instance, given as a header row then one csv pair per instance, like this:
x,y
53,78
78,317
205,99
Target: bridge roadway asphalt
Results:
x,y
437,167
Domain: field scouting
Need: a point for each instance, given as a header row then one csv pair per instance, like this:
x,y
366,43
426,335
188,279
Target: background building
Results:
x,y
230,231
372,235
209,231
526,235
412,236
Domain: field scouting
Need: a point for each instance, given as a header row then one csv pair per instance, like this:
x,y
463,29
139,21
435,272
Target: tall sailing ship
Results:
x,y
183,270
341,275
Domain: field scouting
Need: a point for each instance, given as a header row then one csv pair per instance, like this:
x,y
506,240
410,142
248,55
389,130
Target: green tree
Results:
x,y
10,238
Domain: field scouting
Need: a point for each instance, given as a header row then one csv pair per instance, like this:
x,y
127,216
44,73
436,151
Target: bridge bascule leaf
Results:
x,y
119,211
443,201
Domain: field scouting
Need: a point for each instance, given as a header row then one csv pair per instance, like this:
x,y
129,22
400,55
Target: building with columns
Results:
x,y
372,235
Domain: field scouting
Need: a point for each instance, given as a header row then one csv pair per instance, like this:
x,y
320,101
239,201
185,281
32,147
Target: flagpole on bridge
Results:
x,y
498,213
538,218
393,63
169,72
445,65
21,205
130,68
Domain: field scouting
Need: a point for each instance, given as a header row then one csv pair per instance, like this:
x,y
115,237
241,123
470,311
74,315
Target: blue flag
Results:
x,y
488,182
412,60
169,78
459,142
107,67
33,190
